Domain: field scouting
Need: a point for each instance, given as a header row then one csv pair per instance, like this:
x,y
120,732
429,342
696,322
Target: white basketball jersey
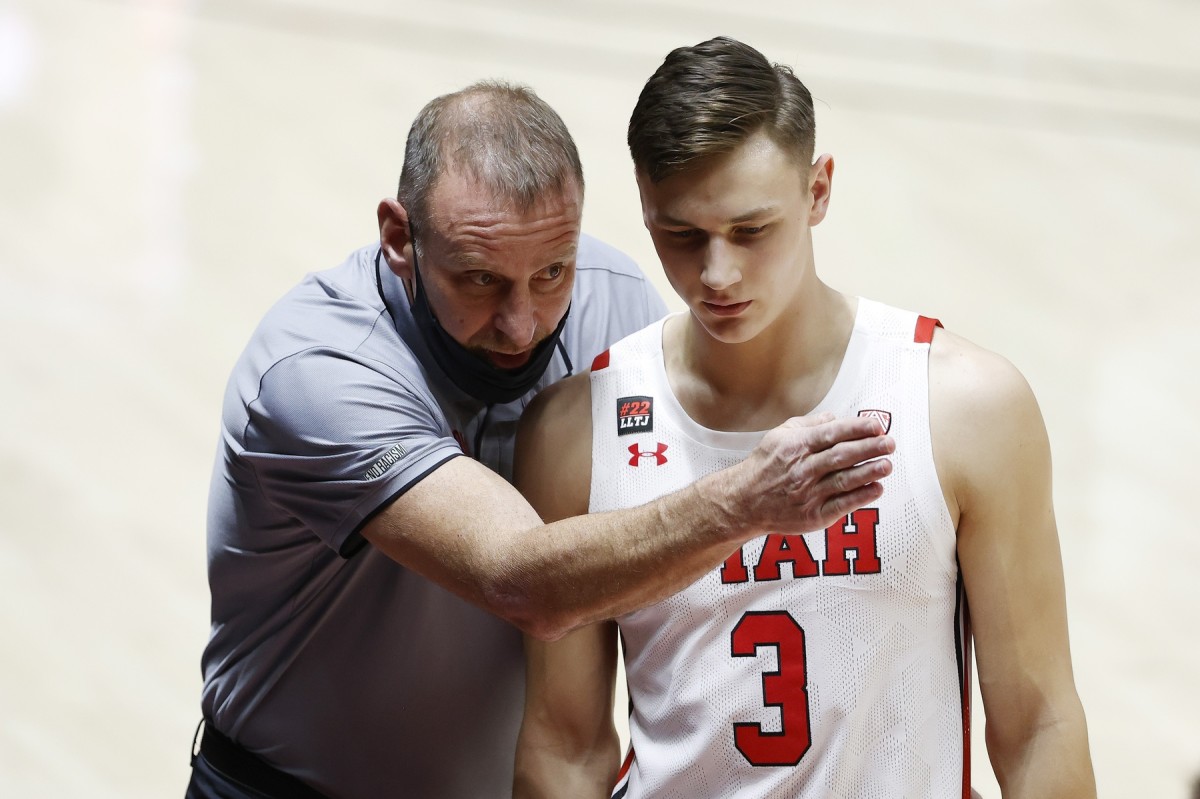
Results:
x,y
829,664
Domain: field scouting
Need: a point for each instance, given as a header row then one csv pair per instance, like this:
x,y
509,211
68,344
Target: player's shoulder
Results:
x,y
560,406
554,441
985,425
980,404
973,376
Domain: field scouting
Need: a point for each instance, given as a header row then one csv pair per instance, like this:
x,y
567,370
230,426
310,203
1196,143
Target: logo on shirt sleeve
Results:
x,y
389,459
635,415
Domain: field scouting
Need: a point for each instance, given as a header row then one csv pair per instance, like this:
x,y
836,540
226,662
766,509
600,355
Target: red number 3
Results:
x,y
786,689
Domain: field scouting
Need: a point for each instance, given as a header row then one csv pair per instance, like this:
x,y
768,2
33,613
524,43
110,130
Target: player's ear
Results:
x,y
820,185
394,237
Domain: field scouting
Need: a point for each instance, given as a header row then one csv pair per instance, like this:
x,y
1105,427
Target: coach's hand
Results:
x,y
805,475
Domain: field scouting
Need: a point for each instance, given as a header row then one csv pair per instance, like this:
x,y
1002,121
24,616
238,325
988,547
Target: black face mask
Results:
x,y
469,371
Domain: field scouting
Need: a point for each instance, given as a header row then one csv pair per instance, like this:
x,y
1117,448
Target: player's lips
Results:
x,y
726,308
503,360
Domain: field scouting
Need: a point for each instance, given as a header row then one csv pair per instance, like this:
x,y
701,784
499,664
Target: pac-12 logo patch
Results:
x,y
883,417
635,415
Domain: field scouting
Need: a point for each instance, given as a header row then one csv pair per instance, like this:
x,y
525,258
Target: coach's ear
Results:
x,y
820,186
394,237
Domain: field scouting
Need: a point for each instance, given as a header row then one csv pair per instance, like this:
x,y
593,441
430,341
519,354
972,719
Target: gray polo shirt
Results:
x,y
326,658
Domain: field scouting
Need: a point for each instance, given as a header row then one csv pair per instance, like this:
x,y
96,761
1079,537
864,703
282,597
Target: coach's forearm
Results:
x,y
555,578
485,543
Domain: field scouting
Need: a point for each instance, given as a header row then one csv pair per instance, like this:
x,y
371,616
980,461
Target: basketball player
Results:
x,y
833,663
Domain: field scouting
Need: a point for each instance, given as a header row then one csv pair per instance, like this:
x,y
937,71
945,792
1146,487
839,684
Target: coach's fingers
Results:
x,y
840,505
846,454
822,431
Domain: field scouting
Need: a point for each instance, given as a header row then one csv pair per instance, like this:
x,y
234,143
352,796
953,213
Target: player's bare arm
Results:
x,y
568,745
488,545
993,458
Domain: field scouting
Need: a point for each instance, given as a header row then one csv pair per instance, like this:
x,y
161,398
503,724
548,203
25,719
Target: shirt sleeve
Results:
x,y
332,437
614,298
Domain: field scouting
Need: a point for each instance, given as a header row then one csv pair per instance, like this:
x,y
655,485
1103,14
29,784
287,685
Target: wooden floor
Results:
x,y
1029,172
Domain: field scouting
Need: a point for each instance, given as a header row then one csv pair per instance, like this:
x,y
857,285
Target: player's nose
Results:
x,y
721,267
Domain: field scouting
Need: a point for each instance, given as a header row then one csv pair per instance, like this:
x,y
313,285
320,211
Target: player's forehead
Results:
x,y
756,178
727,212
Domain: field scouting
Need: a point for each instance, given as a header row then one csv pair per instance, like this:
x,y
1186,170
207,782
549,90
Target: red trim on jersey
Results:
x,y
621,786
601,361
965,648
625,766
925,326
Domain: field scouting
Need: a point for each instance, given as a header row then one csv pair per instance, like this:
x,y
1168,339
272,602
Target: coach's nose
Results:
x,y
516,318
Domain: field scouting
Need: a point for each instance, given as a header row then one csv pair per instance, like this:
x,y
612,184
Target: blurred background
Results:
x,y
1026,171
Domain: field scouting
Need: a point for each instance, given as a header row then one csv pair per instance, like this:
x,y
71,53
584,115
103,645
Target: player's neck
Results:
x,y
784,371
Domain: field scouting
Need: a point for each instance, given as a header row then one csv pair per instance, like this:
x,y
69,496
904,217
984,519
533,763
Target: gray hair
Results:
x,y
501,134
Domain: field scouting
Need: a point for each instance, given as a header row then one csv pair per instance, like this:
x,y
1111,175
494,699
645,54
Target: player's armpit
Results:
x,y
568,745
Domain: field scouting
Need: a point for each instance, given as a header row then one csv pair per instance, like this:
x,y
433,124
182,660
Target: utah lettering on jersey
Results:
x,y
635,415
855,533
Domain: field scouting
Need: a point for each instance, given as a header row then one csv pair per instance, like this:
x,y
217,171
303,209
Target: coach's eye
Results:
x,y
482,279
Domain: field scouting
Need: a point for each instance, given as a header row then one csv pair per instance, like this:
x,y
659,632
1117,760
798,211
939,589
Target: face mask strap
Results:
x,y
468,371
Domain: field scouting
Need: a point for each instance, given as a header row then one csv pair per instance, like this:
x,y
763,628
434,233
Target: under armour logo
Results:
x,y
657,454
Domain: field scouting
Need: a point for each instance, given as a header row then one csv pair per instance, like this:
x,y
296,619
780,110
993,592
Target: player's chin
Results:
x,y
729,331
